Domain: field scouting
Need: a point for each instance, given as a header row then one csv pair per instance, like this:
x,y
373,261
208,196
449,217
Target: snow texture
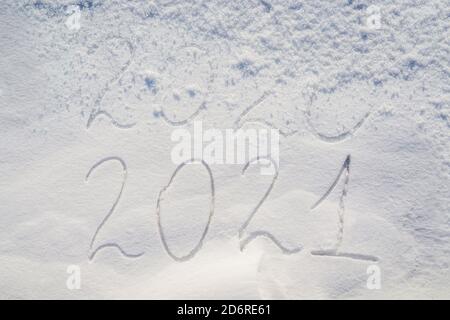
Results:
x,y
90,92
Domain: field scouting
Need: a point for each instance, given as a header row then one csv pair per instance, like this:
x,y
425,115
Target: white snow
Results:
x,y
114,89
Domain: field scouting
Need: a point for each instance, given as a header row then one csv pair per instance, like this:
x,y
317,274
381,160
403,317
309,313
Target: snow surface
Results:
x,y
333,86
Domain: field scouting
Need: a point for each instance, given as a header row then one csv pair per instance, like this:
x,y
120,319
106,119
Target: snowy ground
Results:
x,y
106,82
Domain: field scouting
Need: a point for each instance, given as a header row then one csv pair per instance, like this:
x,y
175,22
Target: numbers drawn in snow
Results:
x,y
162,233
93,251
335,251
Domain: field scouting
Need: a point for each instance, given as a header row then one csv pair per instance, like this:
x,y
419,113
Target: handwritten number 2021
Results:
x,y
244,238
